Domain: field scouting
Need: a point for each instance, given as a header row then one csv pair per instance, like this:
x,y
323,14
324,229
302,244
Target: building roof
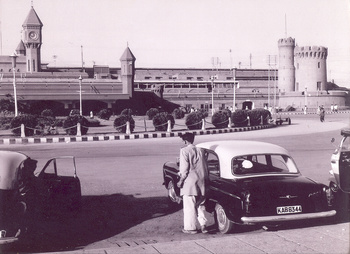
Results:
x,y
32,19
20,47
128,55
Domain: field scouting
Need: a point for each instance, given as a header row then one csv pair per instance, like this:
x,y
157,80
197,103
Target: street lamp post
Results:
x,y
80,100
212,93
305,93
14,57
234,95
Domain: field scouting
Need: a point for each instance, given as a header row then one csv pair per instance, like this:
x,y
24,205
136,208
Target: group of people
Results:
x,y
334,108
193,177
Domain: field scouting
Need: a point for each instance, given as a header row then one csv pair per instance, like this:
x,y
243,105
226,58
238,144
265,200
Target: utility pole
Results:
x,y
82,59
13,58
272,61
80,99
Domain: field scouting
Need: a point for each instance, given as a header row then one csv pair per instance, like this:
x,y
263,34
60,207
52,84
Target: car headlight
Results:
x,y
246,202
333,187
330,195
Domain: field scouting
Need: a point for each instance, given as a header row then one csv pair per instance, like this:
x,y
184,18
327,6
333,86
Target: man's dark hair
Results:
x,y
188,136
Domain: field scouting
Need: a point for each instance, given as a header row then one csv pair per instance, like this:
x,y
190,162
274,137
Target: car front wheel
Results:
x,y
174,198
224,224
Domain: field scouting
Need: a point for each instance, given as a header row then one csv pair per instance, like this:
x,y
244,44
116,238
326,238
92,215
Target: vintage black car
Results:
x,y
254,183
339,181
23,195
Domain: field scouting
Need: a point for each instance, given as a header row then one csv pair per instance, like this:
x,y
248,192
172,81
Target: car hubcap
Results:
x,y
171,192
221,216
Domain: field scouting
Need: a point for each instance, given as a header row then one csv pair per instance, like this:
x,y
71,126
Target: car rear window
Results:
x,y
263,164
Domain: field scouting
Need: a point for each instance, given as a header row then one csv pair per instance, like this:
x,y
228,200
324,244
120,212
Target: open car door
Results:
x,y
341,162
58,186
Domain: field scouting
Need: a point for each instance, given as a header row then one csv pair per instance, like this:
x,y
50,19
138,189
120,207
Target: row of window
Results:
x,y
187,78
318,65
194,86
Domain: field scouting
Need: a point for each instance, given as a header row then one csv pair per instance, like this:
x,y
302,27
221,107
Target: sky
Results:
x,y
181,33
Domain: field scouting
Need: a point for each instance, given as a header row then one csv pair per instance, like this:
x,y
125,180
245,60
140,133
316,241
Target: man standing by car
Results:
x,y
193,175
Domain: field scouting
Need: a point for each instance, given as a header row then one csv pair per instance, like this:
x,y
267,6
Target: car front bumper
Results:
x,y
290,217
8,240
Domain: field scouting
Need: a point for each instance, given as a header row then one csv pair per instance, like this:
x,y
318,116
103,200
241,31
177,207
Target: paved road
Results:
x,y
152,227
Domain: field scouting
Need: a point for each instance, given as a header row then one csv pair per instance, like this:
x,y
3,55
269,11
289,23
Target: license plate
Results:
x,y
289,209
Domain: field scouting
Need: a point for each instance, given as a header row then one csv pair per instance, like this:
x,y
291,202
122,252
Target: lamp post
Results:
x,y
234,95
13,58
212,93
305,93
81,104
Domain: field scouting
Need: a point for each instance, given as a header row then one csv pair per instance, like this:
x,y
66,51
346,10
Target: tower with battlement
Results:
x,y
310,68
286,69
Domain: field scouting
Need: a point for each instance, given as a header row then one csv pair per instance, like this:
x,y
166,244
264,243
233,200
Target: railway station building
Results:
x,y
300,79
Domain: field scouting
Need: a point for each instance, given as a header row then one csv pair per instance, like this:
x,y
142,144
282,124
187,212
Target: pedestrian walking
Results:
x,y
193,176
322,113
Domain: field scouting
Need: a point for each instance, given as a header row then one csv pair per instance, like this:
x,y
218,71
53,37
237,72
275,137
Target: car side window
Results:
x,y
213,163
346,144
263,163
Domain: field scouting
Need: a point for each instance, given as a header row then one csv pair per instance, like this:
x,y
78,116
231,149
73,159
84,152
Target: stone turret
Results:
x,y
311,68
127,61
286,69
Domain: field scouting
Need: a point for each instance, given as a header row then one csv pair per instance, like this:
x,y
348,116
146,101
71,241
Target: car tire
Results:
x,y
173,197
343,206
225,225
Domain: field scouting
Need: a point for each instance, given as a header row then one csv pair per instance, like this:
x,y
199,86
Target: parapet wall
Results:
x,y
286,42
311,52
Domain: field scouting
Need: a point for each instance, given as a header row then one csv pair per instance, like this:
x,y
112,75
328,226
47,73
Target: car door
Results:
x,y
58,186
344,166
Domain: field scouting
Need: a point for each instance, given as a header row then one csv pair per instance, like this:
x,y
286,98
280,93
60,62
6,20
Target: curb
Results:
x,y
45,140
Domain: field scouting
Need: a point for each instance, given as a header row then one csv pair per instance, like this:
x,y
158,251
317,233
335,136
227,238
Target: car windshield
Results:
x,y
263,164
345,144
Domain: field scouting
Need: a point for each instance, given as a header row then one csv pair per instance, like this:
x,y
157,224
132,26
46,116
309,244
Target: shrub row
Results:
x,y
193,121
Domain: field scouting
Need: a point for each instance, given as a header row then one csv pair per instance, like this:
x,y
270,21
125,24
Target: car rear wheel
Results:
x,y
224,224
343,206
173,197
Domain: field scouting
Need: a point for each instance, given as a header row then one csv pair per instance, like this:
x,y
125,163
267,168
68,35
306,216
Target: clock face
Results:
x,y
33,35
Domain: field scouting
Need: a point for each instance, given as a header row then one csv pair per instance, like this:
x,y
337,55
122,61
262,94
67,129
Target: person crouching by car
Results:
x,y
193,175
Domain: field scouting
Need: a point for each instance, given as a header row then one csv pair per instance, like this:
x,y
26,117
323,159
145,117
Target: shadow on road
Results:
x,y
101,217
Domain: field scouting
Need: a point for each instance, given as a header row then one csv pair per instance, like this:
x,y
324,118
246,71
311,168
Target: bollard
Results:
x,y
169,126
262,120
78,130
128,132
203,124
23,133
229,122
144,121
248,121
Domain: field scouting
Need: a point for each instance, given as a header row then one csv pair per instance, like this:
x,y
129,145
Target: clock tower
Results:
x,y
32,40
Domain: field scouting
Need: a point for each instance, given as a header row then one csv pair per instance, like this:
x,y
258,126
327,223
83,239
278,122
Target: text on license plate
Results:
x,y
289,209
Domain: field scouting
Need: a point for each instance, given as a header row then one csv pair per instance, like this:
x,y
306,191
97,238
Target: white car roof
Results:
x,y
228,149
235,148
